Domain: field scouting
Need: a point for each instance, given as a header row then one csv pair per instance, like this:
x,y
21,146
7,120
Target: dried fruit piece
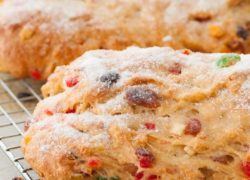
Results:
x,y
193,127
224,159
186,52
235,45
150,126
36,74
215,31
245,167
72,81
110,78
71,110
228,60
201,16
152,177
142,96
139,175
94,163
48,112
242,32
145,157
175,69
27,140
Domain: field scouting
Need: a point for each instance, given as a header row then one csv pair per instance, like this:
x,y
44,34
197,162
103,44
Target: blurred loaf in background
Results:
x,y
38,35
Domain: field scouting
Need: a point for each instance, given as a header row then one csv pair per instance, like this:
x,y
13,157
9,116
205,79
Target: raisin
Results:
x,y
235,45
224,159
242,32
110,78
145,157
21,95
201,17
175,69
193,127
142,96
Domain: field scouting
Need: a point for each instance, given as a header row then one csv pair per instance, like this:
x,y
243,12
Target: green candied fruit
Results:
x,y
114,178
228,60
101,178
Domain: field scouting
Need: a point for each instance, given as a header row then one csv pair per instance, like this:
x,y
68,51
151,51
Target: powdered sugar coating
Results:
x,y
106,126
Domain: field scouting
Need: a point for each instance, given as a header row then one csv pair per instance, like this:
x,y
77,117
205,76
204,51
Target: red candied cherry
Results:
x,y
186,52
36,74
48,112
139,175
94,163
145,157
149,125
72,81
245,167
152,177
193,127
71,110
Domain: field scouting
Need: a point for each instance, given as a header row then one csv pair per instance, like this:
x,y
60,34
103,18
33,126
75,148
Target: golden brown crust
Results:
x,y
158,111
36,36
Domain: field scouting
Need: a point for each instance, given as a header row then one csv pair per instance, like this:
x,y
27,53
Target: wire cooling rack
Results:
x,y
18,99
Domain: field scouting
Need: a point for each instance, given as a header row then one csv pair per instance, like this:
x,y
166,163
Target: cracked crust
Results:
x,y
158,112
37,36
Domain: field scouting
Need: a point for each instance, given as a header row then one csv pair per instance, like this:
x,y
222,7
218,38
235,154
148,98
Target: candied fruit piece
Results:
x,y
150,126
72,81
36,74
145,157
228,60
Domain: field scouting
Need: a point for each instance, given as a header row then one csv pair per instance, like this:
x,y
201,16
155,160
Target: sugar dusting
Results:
x,y
199,75
14,12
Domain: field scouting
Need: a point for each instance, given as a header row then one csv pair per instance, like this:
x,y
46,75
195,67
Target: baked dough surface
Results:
x,y
38,35
150,113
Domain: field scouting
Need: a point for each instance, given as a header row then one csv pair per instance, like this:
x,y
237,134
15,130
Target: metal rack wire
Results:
x,y
18,99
